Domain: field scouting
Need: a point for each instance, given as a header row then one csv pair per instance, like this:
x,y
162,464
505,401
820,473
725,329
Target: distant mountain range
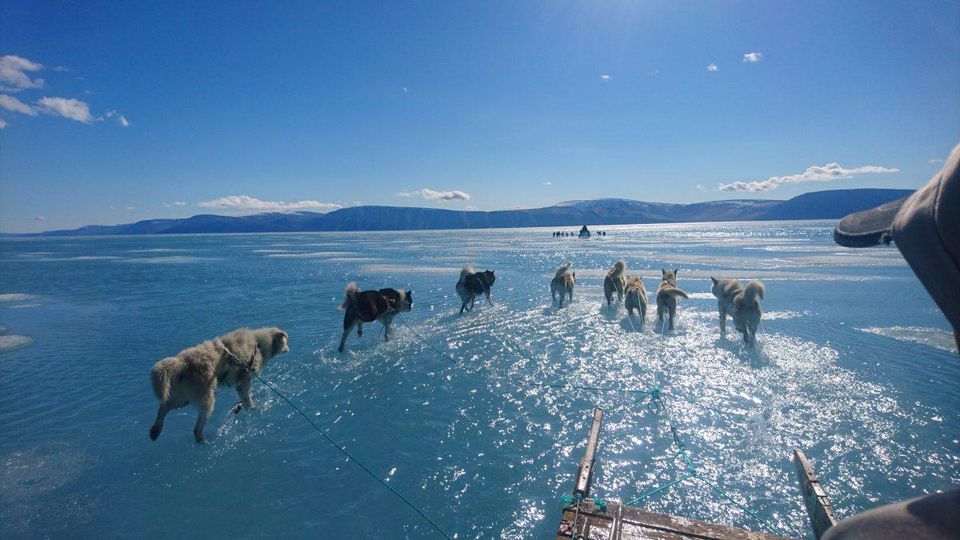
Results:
x,y
817,205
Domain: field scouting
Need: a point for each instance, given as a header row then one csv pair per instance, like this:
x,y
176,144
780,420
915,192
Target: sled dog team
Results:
x,y
192,377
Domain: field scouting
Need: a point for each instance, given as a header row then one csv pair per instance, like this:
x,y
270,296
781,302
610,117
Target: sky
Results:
x,y
122,111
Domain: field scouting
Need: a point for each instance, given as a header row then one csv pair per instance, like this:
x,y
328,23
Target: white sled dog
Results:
x,y
562,283
614,281
667,295
636,298
194,374
741,303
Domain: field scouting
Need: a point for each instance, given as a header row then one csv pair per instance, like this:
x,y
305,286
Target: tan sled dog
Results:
x,y
563,282
614,282
635,298
667,295
741,303
725,290
194,374
747,312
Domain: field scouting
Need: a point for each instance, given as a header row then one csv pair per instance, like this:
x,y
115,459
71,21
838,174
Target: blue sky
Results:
x,y
150,110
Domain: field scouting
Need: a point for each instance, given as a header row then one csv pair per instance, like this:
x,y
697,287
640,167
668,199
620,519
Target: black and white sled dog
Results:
x,y
472,284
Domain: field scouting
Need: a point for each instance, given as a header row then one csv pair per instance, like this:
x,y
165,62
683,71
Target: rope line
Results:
x,y
338,446
654,394
692,471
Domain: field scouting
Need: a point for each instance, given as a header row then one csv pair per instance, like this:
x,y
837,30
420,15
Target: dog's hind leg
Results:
x,y
489,299
205,408
343,338
673,315
165,407
359,328
349,319
723,321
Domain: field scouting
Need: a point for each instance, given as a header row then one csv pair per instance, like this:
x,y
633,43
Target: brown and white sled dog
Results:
x,y
472,284
635,298
194,374
667,295
562,283
368,306
741,303
614,281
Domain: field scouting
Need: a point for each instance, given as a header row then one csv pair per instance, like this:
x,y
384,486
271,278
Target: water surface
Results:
x,y
854,365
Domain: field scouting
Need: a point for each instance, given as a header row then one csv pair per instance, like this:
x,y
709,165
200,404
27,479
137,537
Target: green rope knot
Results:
x,y
570,500
601,505
655,393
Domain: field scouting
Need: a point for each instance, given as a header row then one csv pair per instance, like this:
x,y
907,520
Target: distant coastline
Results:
x,y
817,205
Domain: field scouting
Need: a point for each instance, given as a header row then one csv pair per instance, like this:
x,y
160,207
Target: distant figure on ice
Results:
x,y
584,232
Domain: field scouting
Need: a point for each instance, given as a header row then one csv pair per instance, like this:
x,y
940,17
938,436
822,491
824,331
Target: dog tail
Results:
x,y
349,294
617,269
673,291
160,377
467,271
753,291
562,270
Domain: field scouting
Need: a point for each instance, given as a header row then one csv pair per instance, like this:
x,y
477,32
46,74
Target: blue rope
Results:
x,y
653,492
351,458
654,394
692,472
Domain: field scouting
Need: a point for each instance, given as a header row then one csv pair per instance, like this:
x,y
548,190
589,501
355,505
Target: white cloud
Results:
x,y
121,119
405,89
13,73
701,188
175,203
604,78
824,173
752,57
13,104
470,208
935,161
441,196
40,218
3,123
548,183
245,202
713,68
74,109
